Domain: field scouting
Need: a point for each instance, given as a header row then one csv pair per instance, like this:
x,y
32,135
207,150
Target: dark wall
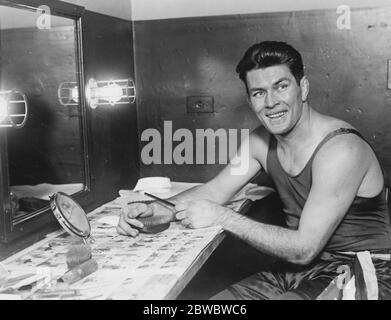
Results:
x,y
177,58
108,55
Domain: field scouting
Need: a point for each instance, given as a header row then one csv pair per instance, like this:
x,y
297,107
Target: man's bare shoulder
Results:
x,y
342,143
347,160
348,148
259,145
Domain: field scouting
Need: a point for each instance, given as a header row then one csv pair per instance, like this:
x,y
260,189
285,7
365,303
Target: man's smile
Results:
x,y
276,115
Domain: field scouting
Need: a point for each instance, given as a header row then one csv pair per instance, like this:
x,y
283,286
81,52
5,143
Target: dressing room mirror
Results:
x,y
40,48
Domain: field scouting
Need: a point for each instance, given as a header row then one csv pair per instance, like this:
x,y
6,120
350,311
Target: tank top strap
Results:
x,y
273,140
334,133
272,151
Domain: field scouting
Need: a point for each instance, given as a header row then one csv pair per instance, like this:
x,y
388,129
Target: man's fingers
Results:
x,y
134,210
127,228
146,212
134,222
139,206
126,221
124,228
181,206
180,215
121,231
186,222
129,232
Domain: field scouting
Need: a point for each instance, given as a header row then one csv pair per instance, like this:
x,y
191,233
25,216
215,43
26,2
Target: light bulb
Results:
x,y
3,109
111,93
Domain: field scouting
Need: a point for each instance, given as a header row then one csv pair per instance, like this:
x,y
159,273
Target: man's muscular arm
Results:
x,y
337,173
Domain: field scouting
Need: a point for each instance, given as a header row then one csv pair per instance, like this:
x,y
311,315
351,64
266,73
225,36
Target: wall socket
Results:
x,y
199,104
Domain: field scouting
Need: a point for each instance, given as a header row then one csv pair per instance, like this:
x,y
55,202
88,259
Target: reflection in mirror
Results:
x,y
46,155
70,215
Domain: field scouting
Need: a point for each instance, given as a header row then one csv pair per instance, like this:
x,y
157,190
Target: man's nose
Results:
x,y
270,100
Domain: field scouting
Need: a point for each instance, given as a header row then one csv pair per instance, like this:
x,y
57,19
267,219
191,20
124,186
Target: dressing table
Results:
x,y
150,266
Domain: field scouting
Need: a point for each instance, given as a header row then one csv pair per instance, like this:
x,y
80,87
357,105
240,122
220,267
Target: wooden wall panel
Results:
x,y
108,55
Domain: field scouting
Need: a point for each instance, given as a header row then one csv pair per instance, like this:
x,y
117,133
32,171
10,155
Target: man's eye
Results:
x,y
282,86
258,94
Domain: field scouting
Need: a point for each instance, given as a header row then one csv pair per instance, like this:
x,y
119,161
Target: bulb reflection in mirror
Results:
x,y
13,109
75,94
68,94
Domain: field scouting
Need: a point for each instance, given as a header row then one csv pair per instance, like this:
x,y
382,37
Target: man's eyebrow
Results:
x,y
276,83
257,89
281,80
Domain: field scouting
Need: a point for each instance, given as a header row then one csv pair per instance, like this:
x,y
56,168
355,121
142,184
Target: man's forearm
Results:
x,y
273,240
201,192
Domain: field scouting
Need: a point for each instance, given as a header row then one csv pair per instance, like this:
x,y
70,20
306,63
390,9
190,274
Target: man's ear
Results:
x,y
305,88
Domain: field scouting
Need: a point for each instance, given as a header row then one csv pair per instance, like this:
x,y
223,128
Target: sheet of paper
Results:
x,y
109,220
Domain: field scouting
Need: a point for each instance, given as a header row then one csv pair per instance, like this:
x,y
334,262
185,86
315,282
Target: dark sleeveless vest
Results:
x,y
366,225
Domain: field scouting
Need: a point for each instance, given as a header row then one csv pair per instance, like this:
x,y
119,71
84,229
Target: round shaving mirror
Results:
x,y
70,215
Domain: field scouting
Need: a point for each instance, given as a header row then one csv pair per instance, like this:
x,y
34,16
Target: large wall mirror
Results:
x,y
40,49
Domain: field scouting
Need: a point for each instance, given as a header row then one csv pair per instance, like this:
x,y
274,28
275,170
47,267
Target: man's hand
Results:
x,y
201,213
129,224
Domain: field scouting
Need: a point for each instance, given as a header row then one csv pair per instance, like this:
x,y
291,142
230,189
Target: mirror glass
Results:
x,y
46,155
70,215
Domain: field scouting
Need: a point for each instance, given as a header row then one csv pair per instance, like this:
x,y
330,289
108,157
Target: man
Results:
x,y
327,176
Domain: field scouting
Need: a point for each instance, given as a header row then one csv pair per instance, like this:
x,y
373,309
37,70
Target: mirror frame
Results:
x,y
10,228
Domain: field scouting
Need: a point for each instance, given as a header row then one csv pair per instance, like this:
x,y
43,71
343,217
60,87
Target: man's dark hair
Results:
x,y
271,53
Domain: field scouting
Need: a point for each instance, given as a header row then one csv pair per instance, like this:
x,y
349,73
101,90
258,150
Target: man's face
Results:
x,y
276,98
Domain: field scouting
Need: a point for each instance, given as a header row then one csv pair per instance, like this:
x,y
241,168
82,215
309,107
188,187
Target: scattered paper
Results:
x,y
110,220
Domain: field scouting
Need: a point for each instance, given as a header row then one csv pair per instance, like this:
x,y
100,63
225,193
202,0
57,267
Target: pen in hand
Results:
x,y
155,224
160,199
